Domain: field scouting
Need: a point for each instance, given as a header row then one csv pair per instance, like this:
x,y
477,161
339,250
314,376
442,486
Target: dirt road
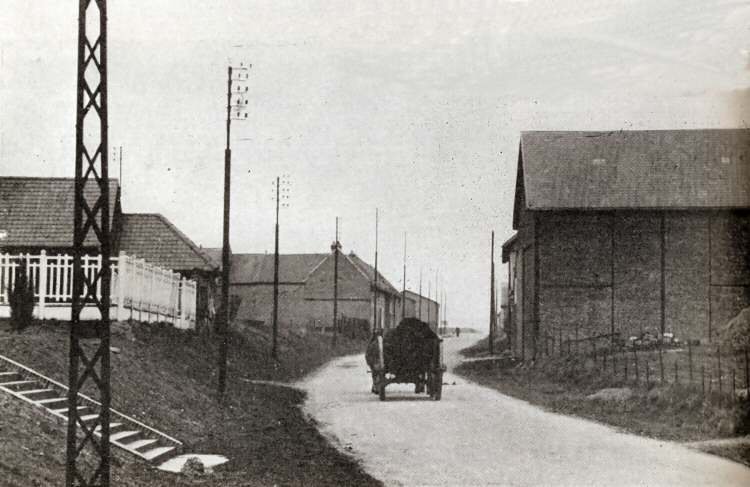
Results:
x,y
477,436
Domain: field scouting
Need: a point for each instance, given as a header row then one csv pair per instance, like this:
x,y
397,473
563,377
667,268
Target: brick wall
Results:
x,y
730,266
578,252
686,272
637,261
257,302
575,275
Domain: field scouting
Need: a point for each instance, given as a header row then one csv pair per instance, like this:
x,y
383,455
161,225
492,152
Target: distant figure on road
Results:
x,y
458,332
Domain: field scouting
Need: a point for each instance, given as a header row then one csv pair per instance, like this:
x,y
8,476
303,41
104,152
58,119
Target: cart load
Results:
x,y
407,354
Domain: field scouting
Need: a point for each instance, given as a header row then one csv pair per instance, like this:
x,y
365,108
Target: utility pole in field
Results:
x,y
336,247
236,110
282,186
91,222
492,296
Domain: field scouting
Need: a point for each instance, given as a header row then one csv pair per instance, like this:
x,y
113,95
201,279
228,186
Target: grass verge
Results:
x,y
167,379
676,412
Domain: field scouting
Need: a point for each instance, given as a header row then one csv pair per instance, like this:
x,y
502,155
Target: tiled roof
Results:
x,y
293,268
383,283
156,239
38,212
258,268
214,255
636,169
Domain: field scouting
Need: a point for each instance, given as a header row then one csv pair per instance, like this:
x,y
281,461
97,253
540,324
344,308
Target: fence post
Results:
x,y
181,302
648,374
690,362
703,380
42,284
734,392
561,343
625,362
576,338
635,360
122,282
676,375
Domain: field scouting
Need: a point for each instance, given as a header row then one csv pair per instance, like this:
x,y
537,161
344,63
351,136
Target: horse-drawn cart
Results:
x,y
411,353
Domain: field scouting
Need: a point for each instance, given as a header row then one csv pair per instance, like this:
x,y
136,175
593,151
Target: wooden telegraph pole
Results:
x,y
492,296
336,247
429,304
403,291
236,110
420,295
375,324
282,200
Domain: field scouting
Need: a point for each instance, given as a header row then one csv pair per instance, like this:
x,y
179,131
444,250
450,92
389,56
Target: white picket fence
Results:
x,y
139,290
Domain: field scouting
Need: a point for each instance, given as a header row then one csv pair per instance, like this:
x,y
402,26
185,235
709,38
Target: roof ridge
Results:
x,y
612,131
185,238
178,232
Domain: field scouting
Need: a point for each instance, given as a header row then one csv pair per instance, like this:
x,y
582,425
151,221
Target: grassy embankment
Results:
x,y
167,379
671,410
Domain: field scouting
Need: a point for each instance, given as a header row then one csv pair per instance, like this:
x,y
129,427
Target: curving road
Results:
x,y
477,436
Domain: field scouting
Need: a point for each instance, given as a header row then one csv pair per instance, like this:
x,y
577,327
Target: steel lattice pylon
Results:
x,y
89,340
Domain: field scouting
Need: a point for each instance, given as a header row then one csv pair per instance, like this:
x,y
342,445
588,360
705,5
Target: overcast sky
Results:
x,y
414,107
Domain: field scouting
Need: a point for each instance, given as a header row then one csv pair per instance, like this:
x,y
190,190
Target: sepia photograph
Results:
x,y
449,243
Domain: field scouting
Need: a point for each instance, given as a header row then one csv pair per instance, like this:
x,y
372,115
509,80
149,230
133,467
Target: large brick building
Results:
x,y
628,232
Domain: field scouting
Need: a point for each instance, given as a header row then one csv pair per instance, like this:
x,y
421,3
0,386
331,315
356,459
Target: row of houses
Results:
x,y
627,232
36,220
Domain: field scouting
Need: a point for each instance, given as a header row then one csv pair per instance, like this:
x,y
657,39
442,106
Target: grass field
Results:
x,y
167,379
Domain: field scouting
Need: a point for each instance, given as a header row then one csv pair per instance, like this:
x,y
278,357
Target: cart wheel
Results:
x,y
438,386
381,386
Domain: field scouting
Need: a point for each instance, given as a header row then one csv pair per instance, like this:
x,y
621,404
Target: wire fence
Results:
x,y
655,361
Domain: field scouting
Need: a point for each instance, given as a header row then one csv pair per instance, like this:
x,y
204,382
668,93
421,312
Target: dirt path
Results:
x,y
477,436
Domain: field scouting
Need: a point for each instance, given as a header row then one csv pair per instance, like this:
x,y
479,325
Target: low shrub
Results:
x,y
21,299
